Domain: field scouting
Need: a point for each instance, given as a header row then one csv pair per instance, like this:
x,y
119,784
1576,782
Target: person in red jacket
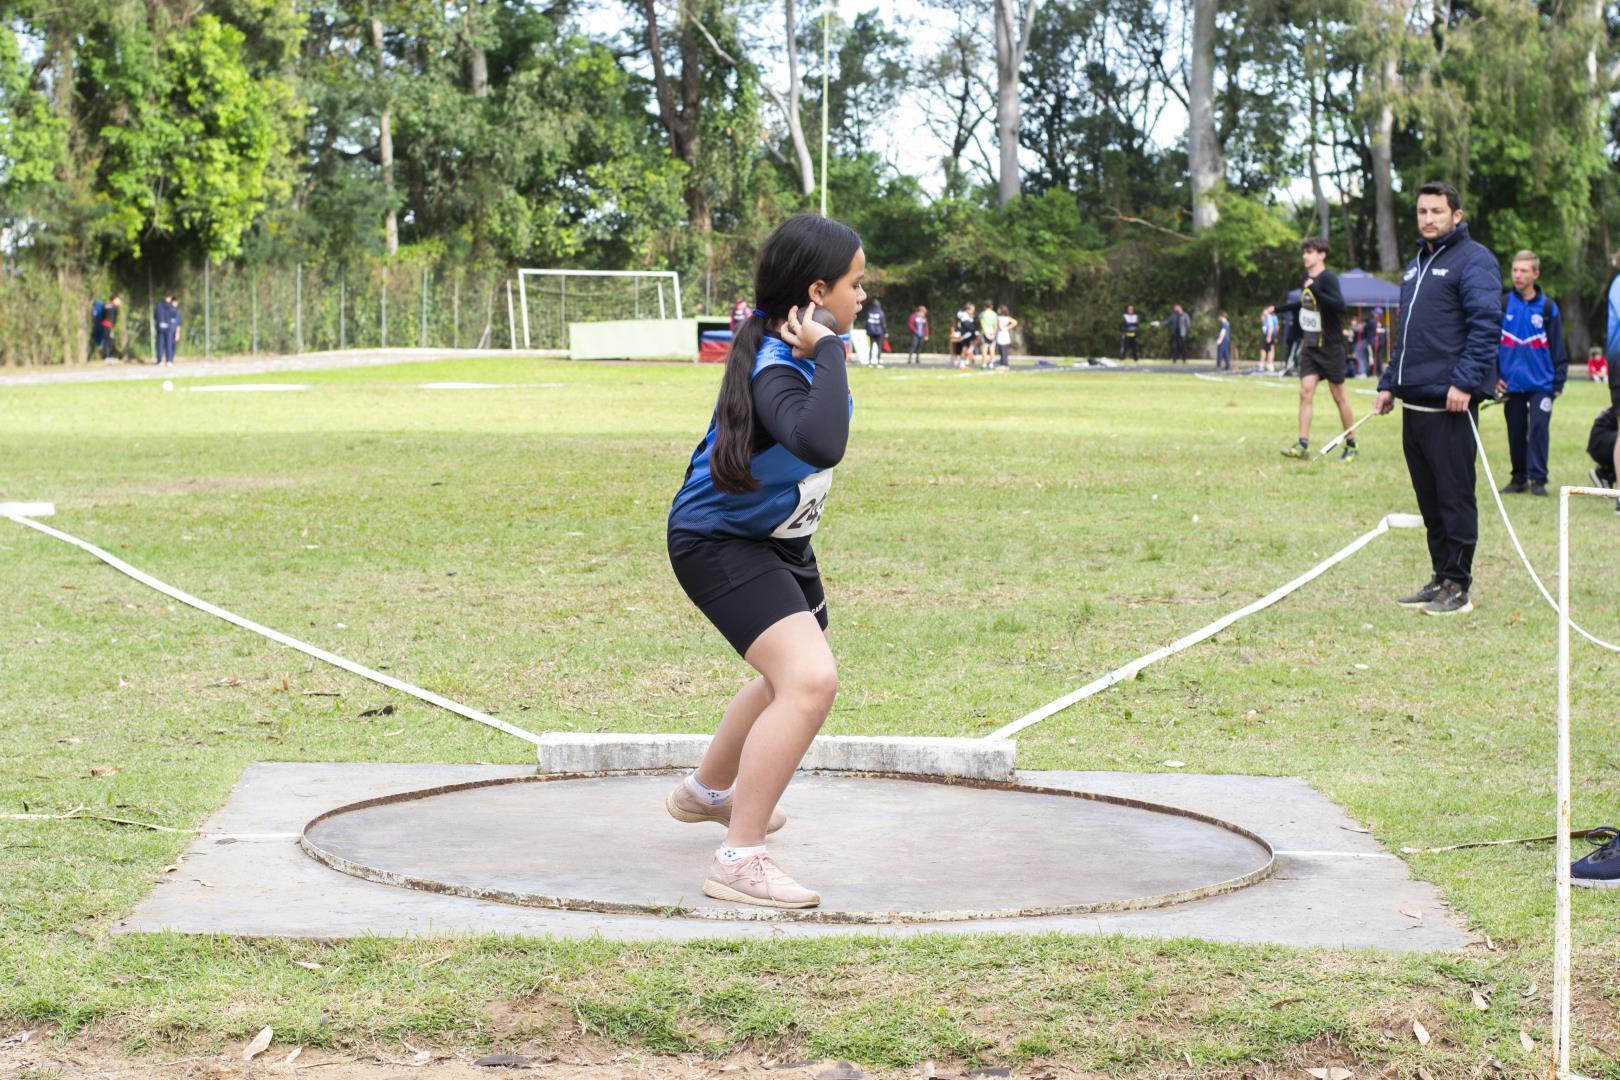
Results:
x,y
918,325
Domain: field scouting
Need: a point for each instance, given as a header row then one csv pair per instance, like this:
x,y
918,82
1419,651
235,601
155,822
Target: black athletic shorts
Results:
x,y
746,586
1325,360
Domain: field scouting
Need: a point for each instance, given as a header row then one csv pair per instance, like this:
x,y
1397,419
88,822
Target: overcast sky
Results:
x,y
904,140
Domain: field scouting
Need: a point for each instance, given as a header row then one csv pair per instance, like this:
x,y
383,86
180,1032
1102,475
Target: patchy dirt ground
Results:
x,y
35,1056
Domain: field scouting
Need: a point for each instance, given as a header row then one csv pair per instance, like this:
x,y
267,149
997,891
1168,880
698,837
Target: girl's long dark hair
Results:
x,y
804,249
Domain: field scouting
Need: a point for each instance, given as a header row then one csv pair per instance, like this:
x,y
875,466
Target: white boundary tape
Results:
x,y
1130,670
264,631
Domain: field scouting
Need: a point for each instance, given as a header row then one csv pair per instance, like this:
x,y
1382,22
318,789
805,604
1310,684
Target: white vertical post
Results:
x,y
523,306
511,320
423,340
661,313
383,323
564,319
677,295
1561,921
826,64
298,308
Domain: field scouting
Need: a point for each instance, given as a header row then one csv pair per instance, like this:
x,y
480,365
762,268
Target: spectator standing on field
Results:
x,y
1129,325
107,324
1531,367
918,325
1444,366
1180,324
967,328
877,328
1270,326
1223,345
989,323
1005,325
740,312
166,319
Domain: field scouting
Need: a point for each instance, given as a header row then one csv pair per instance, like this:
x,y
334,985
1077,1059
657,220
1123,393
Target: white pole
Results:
x,y
661,312
511,320
298,308
523,304
1561,923
677,278
826,64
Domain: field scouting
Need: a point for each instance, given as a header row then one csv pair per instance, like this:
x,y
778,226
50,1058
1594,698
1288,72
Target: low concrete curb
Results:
x,y
974,759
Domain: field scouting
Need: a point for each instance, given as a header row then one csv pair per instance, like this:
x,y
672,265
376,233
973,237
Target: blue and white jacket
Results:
x,y
1451,321
792,492
1532,358
1611,344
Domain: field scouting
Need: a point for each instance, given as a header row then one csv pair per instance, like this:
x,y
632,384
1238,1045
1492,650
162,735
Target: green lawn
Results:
x,y
991,543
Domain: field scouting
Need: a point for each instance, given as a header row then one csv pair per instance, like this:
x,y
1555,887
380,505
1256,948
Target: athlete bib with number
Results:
x,y
792,494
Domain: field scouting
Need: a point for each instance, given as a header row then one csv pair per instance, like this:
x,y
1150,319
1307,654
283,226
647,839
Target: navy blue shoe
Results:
x,y
1600,869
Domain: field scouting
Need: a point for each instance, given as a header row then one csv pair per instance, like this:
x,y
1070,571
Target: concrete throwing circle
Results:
x,y
879,848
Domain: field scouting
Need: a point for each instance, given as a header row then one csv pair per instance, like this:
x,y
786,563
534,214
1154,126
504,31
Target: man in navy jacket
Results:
x,y
1444,365
1531,368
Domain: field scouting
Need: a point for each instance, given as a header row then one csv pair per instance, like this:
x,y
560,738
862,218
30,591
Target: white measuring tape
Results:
x,y
9,511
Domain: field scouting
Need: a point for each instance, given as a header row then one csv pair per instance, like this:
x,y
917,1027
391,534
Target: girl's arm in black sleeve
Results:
x,y
812,421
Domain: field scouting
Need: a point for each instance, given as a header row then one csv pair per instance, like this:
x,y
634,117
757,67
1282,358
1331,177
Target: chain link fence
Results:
x,y
233,308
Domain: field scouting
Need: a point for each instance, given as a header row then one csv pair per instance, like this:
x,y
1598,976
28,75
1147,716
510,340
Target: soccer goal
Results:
x,y
548,300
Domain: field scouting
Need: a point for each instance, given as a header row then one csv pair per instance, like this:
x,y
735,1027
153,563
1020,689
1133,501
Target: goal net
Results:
x,y
548,300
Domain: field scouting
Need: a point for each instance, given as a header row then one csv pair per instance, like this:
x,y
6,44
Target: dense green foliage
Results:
x,y
138,139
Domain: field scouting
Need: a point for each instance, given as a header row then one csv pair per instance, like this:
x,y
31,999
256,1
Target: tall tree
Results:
x,y
385,135
1013,21
1206,165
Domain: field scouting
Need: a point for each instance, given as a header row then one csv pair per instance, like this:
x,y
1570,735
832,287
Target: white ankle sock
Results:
x,y
707,793
731,856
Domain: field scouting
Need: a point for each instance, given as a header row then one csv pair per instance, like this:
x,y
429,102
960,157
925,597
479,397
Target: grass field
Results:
x,y
990,544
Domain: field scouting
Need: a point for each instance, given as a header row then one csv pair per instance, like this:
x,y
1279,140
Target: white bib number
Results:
x,y
1310,321
812,500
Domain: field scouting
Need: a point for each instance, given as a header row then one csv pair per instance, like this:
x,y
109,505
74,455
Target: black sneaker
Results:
x,y
1600,478
1514,487
1300,449
1349,452
1539,489
1451,600
1601,868
1422,596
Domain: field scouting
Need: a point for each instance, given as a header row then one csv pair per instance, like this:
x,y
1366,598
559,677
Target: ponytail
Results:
x,y
804,249
730,464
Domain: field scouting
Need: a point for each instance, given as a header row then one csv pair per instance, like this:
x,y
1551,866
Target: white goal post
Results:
x,y
545,297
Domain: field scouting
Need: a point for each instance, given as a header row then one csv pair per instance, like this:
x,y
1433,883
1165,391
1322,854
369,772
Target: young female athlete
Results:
x,y
739,541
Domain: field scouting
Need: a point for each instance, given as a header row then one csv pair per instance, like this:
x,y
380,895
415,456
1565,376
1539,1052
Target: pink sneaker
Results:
x,y
757,880
685,806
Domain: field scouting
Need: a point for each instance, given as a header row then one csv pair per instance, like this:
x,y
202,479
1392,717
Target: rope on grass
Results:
x,y
78,814
1130,670
277,636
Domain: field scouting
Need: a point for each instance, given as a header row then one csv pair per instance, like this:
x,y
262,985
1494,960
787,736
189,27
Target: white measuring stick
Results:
x,y
1346,433
277,636
1129,671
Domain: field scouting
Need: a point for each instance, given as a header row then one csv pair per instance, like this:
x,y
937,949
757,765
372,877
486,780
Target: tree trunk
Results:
x,y
801,148
1315,141
1383,138
1012,42
385,142
1204,159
